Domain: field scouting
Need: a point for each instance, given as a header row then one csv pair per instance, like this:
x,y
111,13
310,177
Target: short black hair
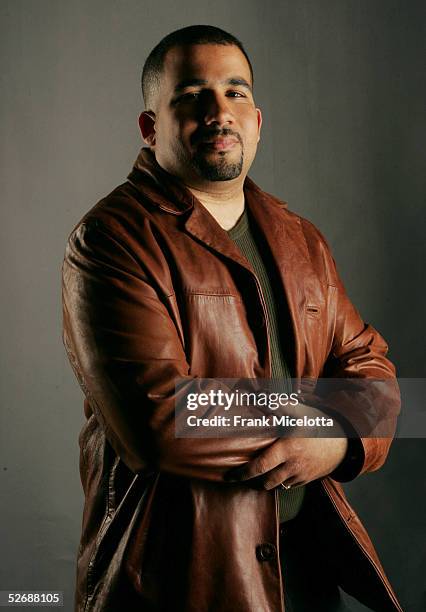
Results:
x,y
191,35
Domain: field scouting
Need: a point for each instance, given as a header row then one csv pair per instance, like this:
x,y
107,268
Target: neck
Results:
x,y
226,205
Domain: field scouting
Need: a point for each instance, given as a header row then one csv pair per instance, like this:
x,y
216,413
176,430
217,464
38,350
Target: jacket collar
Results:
x,y
162,188
168,193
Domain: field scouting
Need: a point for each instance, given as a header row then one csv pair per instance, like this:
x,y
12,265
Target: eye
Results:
x,y
191,95
235,94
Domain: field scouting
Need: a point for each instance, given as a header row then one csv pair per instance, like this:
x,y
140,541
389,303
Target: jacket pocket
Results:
x,y
312,310
219,340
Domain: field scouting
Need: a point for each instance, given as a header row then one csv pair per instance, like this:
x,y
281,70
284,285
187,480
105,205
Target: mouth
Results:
x,y
223,143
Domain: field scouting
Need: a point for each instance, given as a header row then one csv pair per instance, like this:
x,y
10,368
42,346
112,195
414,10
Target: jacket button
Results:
x,y
266,552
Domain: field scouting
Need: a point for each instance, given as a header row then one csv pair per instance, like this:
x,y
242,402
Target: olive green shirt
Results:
x,y
247,238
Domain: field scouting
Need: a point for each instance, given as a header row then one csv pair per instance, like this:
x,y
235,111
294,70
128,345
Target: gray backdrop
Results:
x,y
342,93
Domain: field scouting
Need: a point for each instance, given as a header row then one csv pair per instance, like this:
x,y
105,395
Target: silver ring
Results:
x,y
285,486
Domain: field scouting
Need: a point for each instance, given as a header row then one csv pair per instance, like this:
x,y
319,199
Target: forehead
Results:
x,y
207,61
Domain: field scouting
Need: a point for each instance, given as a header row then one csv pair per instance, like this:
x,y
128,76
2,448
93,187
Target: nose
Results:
x,y
216,110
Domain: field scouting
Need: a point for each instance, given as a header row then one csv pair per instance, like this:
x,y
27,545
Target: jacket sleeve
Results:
x,y
368,399
126,352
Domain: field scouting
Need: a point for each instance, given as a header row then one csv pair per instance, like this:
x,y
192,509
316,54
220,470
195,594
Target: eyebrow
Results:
x,y
238,81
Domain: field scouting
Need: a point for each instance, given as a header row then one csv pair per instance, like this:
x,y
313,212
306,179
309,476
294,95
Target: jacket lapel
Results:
x,y
202,226
284,235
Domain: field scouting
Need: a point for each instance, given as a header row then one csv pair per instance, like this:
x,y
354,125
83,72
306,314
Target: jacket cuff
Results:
x,y
352,463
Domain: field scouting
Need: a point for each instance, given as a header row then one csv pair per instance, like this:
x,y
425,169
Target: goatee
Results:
x,y
218,170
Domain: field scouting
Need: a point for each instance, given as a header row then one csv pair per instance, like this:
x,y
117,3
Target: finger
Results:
x,y
269,459
281,474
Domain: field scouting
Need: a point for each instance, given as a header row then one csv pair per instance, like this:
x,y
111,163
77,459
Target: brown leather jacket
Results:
x,y
154,289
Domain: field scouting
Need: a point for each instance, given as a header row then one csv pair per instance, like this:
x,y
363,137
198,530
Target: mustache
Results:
x,y
204,135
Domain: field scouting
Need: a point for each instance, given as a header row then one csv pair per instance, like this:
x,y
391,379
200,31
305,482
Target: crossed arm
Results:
x,y
126,352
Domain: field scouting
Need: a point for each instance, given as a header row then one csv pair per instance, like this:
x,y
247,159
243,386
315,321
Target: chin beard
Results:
x,y
219,170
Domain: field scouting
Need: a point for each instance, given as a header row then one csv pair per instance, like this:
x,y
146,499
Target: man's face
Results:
x,y
206,126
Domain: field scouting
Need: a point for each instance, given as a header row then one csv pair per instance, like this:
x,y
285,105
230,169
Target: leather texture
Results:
x,y
154,289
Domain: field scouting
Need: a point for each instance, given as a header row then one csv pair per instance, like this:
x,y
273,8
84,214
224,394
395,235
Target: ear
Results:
x,y
259,122
147,127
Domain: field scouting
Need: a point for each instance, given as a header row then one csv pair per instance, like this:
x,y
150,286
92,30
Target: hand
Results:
x,y
294,461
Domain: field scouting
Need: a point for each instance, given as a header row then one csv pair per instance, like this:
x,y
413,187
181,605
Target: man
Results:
x,y
189,270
